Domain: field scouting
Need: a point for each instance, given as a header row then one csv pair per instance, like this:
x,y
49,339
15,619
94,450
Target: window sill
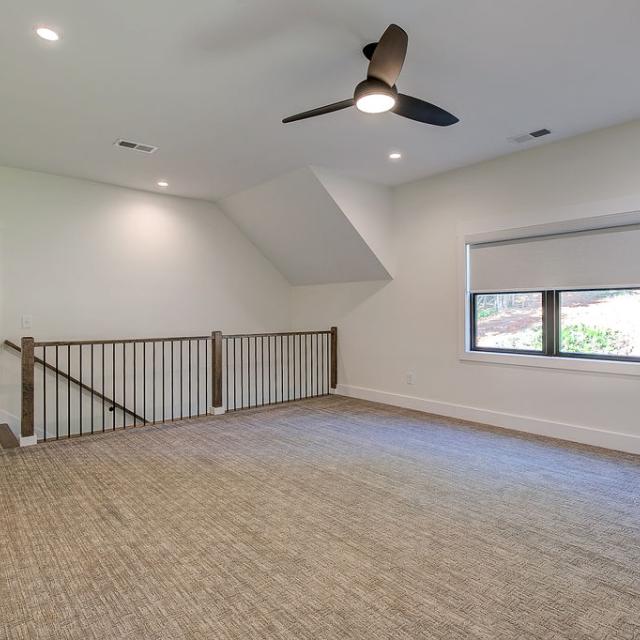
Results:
x,y
547,362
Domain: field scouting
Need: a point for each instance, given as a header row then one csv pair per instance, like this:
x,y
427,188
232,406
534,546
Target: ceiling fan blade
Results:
x,y
335,106
422,111
388,56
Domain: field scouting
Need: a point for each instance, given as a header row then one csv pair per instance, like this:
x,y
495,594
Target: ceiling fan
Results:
x,y
378,92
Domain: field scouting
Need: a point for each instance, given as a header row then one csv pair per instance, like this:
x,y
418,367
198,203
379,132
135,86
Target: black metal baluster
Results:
x,y
198,376
173,417
181,380
124,385
144,382
255,368
322,360
135,395
163,382
262,371
80,387
57,398
68,391
189,378
226,372
235,377
44,392
286,369
299,365
153,375
242,373
207,342
289,341
269,364
306,366
113,384
92,390
311,354
281,370
249,371
255,371
103,401
295,371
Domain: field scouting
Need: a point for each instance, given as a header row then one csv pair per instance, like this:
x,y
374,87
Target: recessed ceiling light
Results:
x,y
47,33
395,155
162,183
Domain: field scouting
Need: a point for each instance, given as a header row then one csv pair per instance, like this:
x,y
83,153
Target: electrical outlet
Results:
x,y
27,322
411,378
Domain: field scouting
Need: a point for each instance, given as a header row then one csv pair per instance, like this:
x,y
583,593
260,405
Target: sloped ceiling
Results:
x,y
313,226
367,206
209,82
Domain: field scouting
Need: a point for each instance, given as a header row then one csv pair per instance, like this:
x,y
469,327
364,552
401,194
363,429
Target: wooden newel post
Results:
x,y
334,357
26,424
216,372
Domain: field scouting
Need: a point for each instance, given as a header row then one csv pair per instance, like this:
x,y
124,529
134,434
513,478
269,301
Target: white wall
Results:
x,y
368,207
412,324
89,260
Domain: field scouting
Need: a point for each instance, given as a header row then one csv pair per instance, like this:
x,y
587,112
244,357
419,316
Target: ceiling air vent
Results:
x,y
526,137
136,146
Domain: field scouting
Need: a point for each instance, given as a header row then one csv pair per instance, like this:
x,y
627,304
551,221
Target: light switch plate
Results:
x,y
27,322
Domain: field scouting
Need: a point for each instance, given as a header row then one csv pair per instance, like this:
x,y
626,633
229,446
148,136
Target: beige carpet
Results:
x,y
325,519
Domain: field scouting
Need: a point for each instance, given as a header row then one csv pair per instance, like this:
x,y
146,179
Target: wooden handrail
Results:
x,y
70,378
79,343
276,333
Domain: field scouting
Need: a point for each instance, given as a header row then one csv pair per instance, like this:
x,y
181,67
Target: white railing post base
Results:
x,y
28,441
217,411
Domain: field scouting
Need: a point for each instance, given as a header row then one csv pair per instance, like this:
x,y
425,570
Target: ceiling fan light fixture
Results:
x,y
376,103
373,96
47,33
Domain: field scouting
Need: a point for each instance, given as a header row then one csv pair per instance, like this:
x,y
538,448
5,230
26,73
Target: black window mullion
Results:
x,y
551,325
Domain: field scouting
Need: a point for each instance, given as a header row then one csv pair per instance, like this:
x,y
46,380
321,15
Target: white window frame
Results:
x,y
466,354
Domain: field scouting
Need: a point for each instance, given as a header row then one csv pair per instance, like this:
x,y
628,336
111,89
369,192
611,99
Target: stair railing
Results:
x,y
74,388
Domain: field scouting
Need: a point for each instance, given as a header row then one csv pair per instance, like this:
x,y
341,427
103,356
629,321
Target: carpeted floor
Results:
x,y
325,519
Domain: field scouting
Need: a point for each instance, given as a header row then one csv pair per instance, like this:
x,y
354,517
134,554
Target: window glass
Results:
x,y
508,321
604,322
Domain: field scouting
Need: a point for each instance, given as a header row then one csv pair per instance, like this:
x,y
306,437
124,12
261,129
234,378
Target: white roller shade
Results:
x,y
587,259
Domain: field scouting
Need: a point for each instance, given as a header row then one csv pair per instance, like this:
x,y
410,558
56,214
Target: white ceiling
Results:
x,y
208,82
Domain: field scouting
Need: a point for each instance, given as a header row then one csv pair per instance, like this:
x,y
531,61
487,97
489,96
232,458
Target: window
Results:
x,y
586,323
508,322
599,323
574,294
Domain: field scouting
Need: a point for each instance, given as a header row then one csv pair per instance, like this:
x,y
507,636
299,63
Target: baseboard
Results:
x,y
574,433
